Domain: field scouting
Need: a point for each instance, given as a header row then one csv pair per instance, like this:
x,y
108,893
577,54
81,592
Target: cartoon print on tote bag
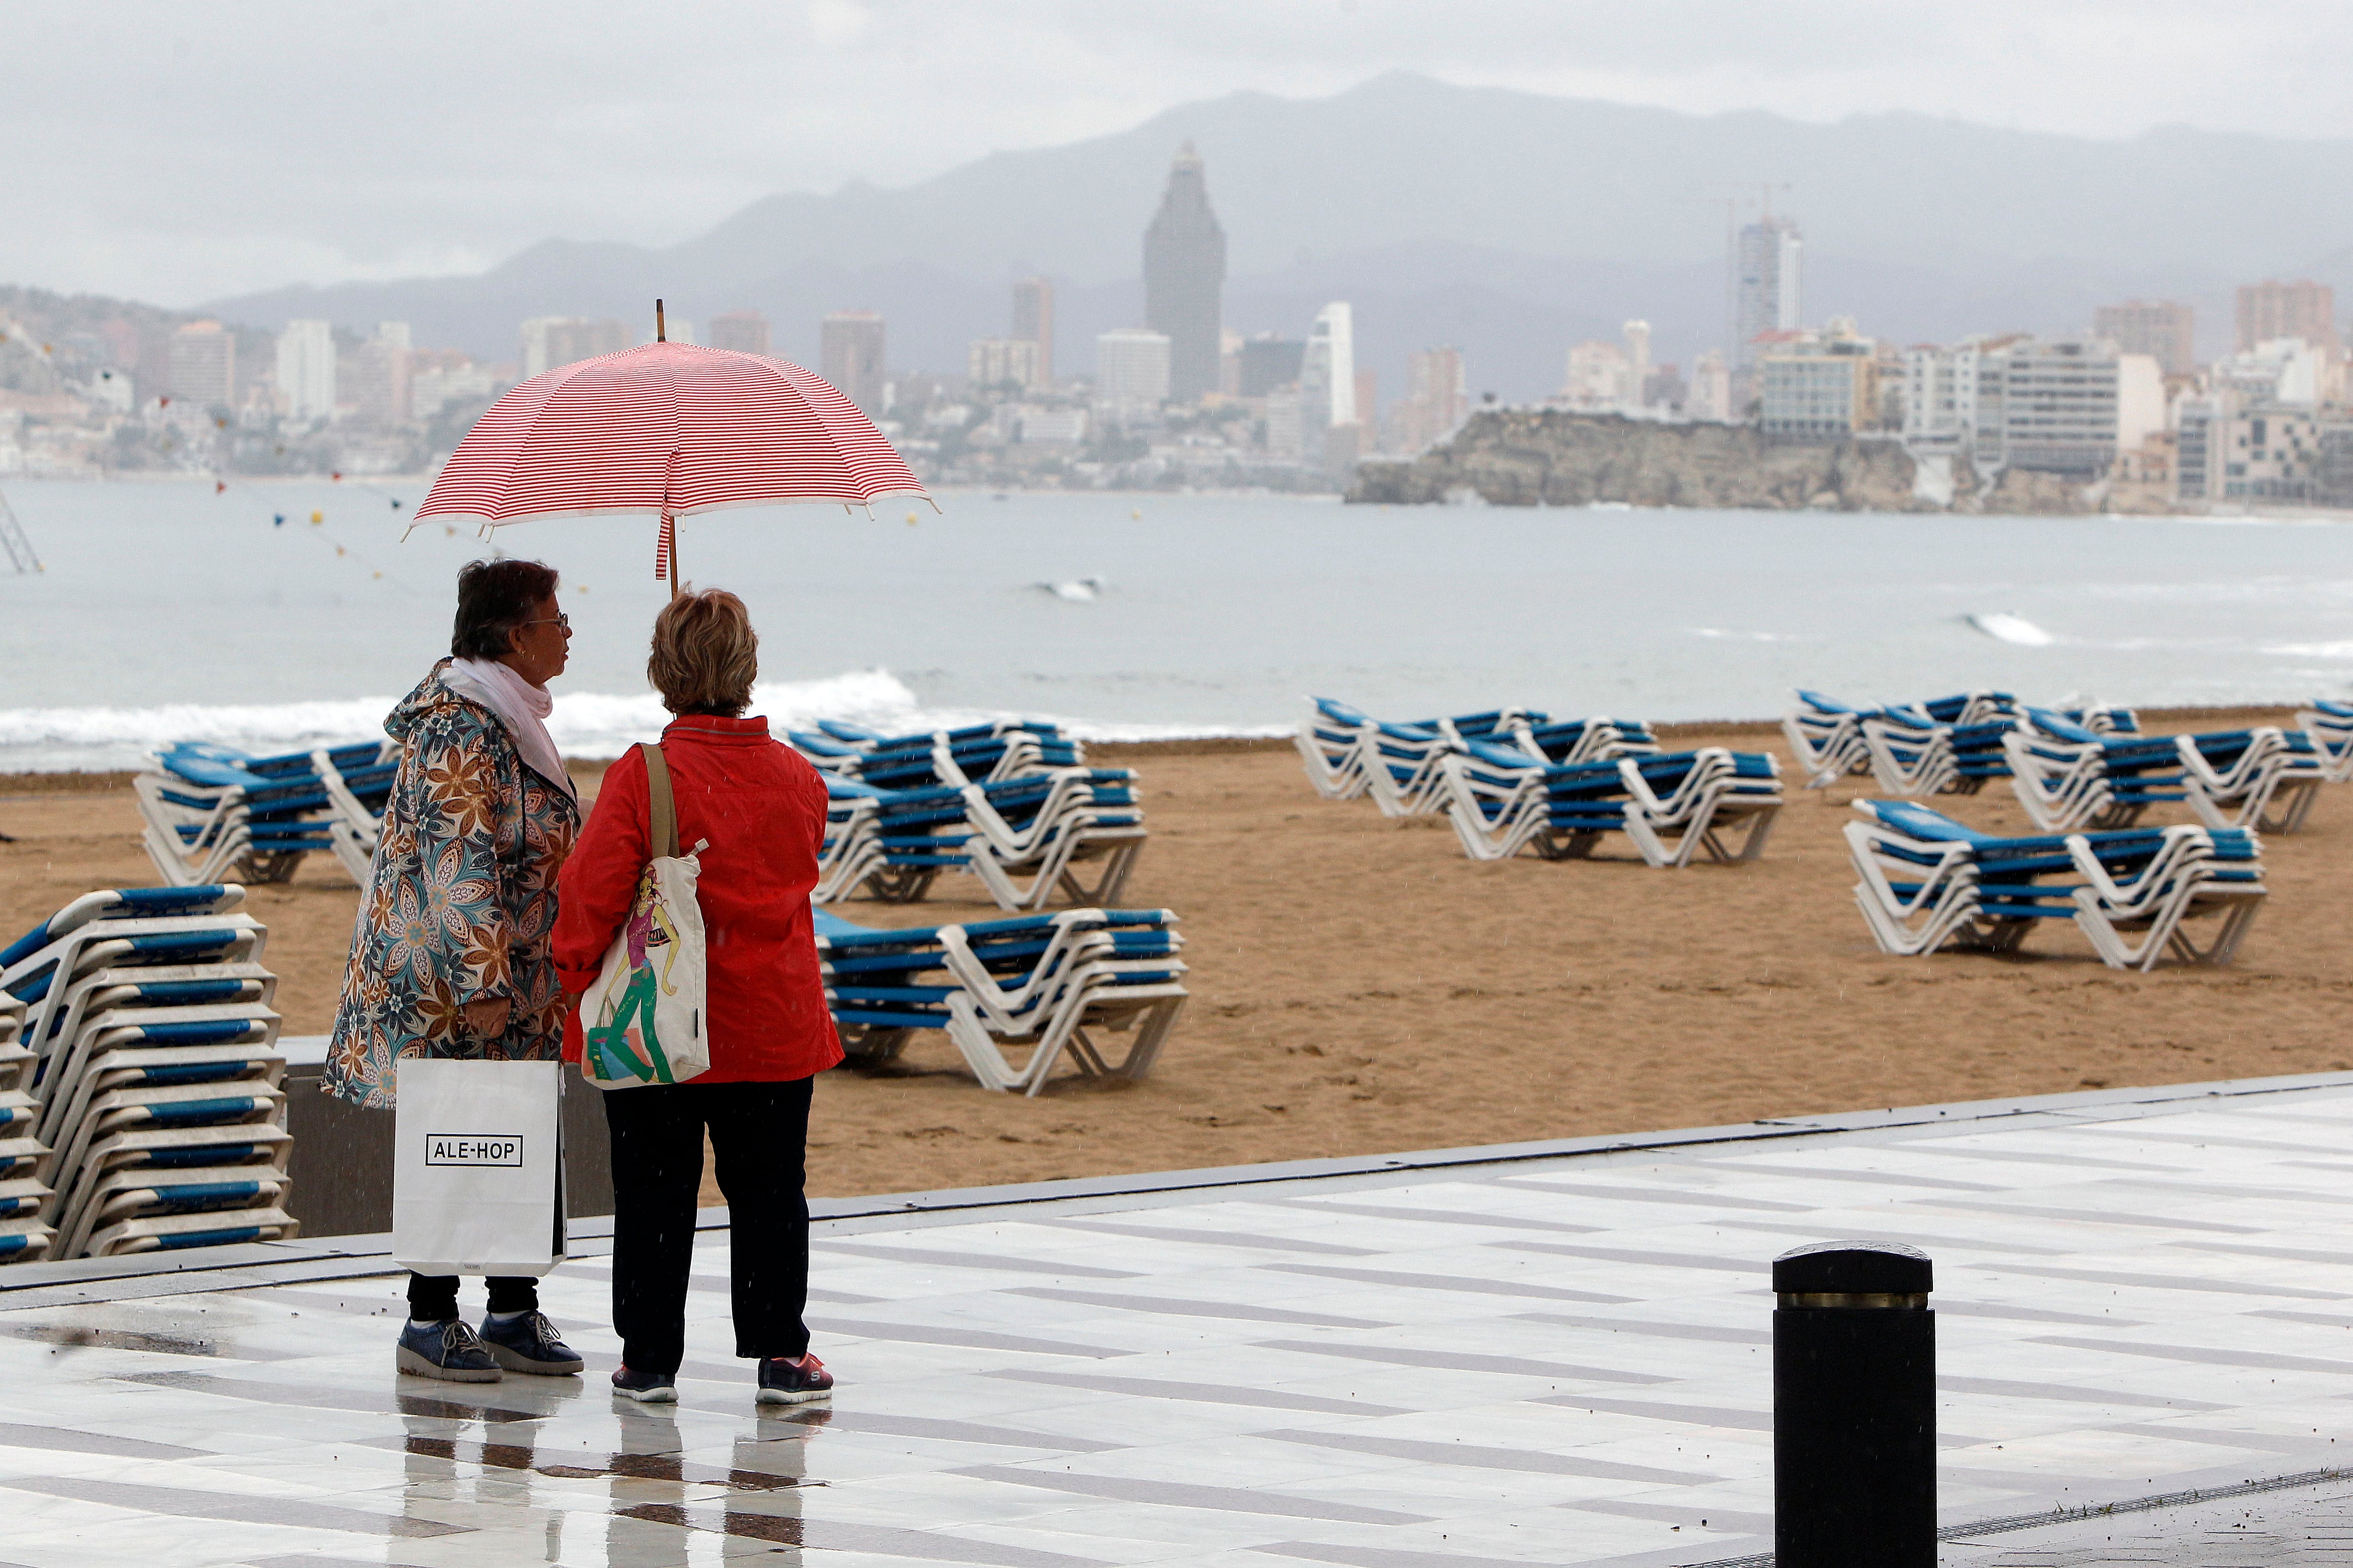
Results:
x,y
626,1042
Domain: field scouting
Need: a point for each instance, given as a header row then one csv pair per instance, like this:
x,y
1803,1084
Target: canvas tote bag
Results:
x,y
477,1167
642,1021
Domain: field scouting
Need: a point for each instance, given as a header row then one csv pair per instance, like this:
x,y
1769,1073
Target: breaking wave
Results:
x,y
589,724
2003,627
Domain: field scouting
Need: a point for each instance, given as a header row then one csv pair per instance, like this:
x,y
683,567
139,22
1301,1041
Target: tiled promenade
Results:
x,y
1558,1360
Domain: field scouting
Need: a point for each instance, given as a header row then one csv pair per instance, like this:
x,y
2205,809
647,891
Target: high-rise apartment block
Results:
x,y
306,370
1437,399
1327,377
1132,368
740,332
1821,387
1268,362
850,355
1770,295
1710,388
1184,279
2161,329
2300,309
1033,322
377,384
2288,371
203,370
997,362
1597,376
2065,406
1637,334
551,343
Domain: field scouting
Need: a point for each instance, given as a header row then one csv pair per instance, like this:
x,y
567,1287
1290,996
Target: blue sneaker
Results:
x,y
528,1343
445,1350
645,1387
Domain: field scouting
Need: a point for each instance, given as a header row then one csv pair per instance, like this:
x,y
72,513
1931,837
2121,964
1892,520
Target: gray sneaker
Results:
x,y
448,1351
528,1343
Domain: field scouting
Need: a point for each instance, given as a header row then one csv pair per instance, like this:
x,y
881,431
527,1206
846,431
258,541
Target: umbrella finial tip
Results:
x,y
662,333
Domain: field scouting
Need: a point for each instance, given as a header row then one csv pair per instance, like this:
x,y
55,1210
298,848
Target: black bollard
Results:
x,y
1854,1407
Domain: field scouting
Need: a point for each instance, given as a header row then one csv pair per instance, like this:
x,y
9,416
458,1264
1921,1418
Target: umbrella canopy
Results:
x,y
664,430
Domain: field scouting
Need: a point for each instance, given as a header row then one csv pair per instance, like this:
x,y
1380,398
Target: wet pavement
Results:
x,y
1554,1360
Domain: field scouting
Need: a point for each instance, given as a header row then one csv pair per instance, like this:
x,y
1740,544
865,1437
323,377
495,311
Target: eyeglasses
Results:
x,y
563,621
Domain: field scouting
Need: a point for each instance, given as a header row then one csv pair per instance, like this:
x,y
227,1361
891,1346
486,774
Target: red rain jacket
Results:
x,y
761,806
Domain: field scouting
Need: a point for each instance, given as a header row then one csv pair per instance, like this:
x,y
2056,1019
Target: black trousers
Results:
x,y
433,1298
759,1138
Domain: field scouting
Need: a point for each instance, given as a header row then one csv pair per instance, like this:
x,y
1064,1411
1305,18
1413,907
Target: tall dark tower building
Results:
x,y
1184,279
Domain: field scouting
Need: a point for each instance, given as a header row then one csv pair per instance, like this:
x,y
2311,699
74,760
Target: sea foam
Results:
x,y
588,724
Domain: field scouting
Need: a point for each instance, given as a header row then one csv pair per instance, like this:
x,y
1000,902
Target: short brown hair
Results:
x,y
705,654
494,599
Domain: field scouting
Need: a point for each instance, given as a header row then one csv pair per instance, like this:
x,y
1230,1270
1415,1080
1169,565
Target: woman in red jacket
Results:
x,y
761,809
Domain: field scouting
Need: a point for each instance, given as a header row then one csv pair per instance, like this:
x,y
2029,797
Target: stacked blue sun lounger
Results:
x,y
1944,746
2068,777
154,1073
25,1192
1404,766
1949,745
975,753
2329,723
1927,881
1028,838
1670,807
1048,986
211,811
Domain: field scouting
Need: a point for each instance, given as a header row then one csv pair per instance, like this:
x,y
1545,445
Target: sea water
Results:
x,y
169,610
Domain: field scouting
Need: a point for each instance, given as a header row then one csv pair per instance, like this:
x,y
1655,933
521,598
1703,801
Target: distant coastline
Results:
x,y
1538,456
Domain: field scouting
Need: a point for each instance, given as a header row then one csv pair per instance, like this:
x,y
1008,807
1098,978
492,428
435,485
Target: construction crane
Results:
x,y
21,554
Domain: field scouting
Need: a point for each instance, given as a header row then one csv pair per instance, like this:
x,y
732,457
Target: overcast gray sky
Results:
x,y
173,152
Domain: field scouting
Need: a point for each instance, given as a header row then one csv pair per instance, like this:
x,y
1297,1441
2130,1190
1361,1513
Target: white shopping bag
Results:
x,y
477,1167
642,1021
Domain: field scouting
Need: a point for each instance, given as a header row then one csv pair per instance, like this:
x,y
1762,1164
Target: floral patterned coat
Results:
x,y
460,902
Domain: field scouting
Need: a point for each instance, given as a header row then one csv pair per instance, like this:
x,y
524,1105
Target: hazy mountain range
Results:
x,y
1508,223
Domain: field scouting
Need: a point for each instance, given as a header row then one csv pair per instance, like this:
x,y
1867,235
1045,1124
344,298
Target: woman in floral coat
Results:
x,y
450,952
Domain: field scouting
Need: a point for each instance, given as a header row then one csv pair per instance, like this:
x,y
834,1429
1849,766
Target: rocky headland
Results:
x,y
1518,456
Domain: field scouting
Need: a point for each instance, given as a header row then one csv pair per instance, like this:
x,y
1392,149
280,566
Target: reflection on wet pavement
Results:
x,y
1539,1360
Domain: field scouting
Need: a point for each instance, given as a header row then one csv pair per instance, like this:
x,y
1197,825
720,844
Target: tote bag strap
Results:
x,y
660,807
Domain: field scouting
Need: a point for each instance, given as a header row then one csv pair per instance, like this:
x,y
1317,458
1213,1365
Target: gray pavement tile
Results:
x,y
1654,1327
1615,1192
1461,1284
1432,1215
2204,1354
2007,1388
1203,1392
1184,1494
1460,1361
974,1338
1762,1267
180,1502
2171,1282
2089,1216
1208,1237
66,1439
1181,1308
1908,1238
1477,1457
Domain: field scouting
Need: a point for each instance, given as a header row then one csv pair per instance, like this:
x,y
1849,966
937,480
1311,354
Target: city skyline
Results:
x,y
331,131
1514,284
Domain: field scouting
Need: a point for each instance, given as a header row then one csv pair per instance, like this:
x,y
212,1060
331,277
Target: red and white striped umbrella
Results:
x,y
665,430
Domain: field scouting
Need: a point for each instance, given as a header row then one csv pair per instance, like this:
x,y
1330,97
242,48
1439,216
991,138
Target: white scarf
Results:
x,y
522,707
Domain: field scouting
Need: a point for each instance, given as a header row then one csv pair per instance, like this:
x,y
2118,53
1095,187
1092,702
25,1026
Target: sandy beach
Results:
x,y
1359,987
